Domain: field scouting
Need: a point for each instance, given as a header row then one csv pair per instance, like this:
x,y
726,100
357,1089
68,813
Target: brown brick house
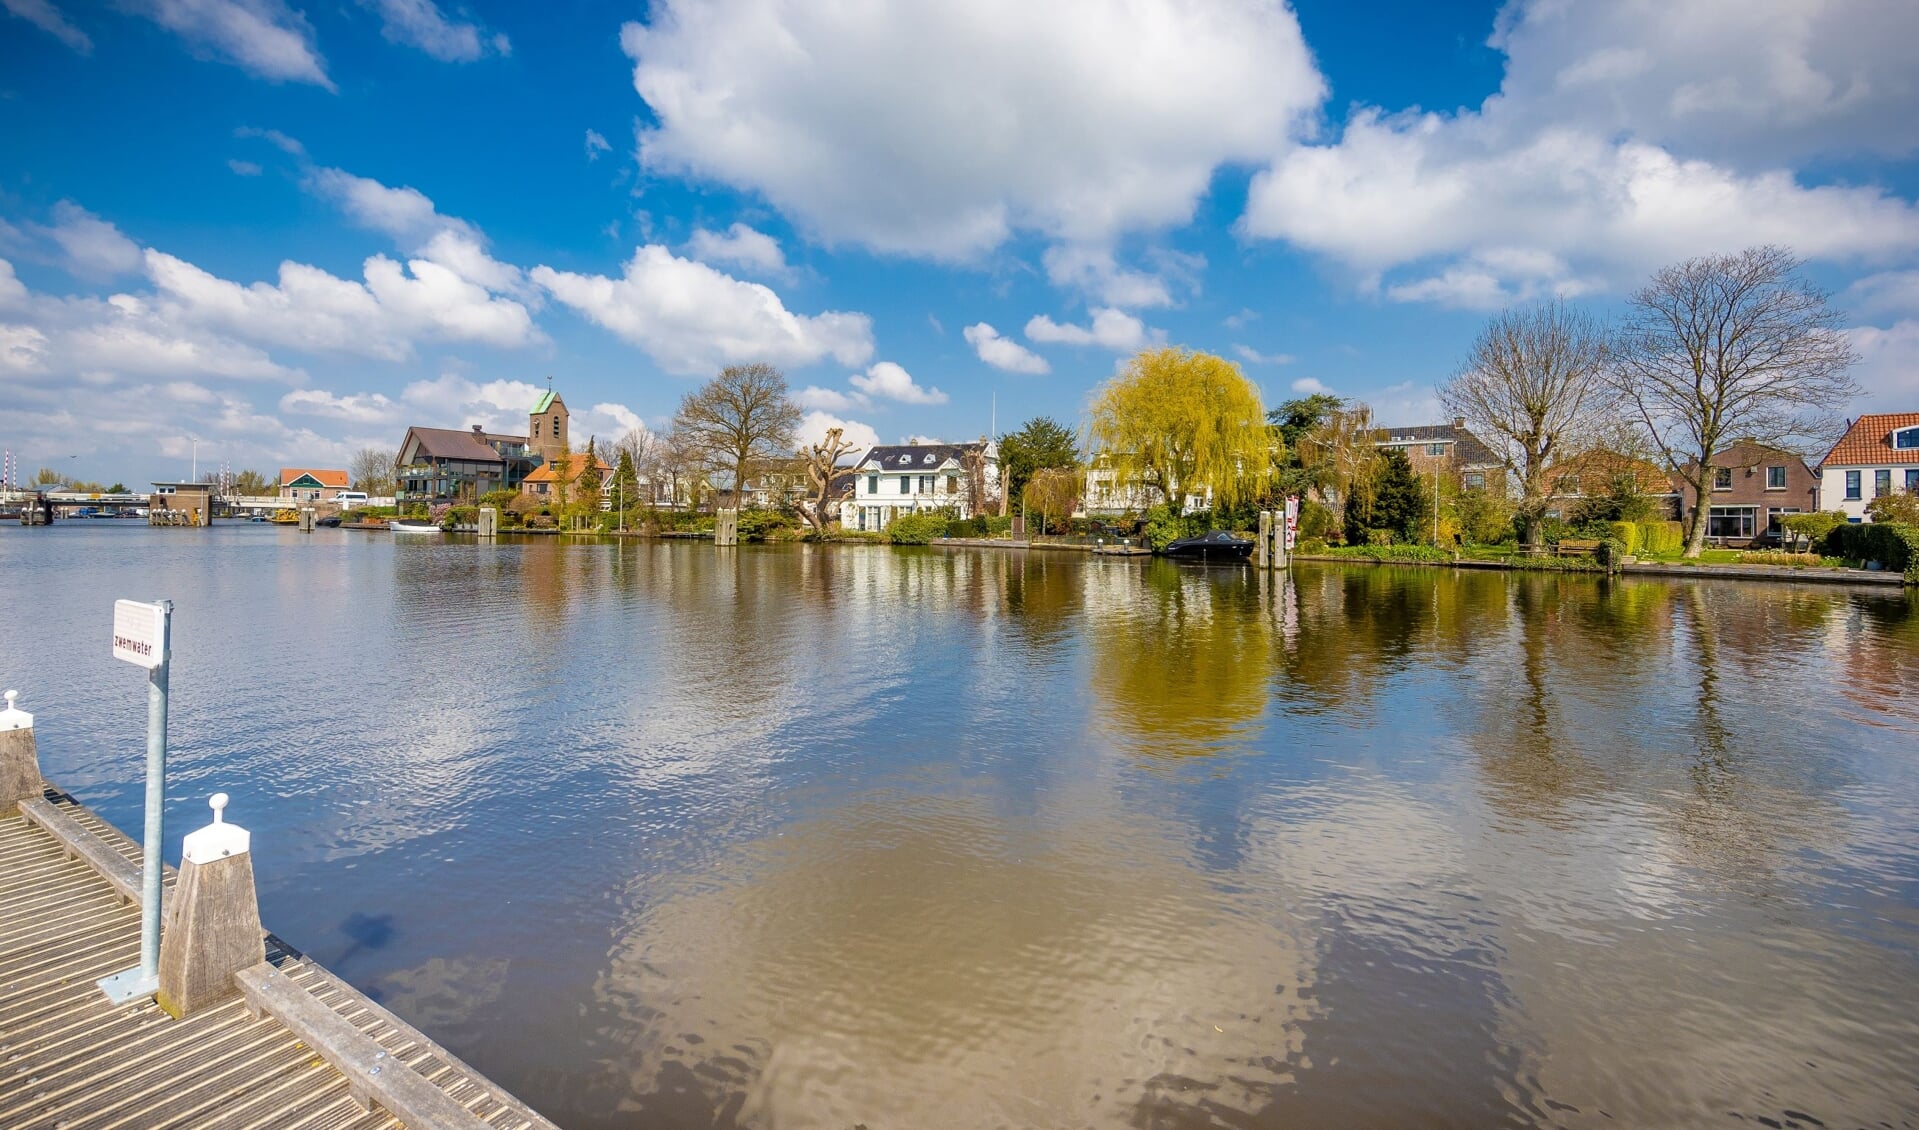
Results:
x,y
1753,486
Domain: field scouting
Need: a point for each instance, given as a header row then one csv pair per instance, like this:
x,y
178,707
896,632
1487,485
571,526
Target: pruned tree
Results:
x,y
1534,389
1724,348
371,469
737,419
821,460
1179,423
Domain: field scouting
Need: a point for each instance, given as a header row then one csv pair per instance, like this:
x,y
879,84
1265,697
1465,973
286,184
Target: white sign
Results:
x,y
139,633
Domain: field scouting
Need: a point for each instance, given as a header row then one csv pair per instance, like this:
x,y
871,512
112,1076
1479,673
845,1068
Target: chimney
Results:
x,y
477,430
1459,423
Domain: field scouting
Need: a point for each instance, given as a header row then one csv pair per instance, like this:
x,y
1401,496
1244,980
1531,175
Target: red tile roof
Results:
x,y
546,473
324,478
1869,441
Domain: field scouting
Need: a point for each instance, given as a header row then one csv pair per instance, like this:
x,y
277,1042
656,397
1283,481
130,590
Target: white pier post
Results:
x,y
19,758
726,527
213,929
489,521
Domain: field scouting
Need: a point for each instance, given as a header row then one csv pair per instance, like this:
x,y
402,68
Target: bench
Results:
x,y
1578,547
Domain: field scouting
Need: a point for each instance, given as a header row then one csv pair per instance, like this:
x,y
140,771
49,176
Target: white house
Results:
x,y
1877,455
1108,495
908,478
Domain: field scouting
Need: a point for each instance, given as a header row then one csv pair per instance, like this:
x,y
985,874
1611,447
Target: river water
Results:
x,y
660,836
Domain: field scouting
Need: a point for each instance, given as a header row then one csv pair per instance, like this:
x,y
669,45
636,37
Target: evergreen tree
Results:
x,y
1395,505
1041,442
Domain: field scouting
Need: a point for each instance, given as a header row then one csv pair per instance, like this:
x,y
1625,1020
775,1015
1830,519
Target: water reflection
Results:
x,y
814,837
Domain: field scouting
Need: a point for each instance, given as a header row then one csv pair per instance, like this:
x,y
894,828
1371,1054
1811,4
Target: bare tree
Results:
x,y
1340,455
1534,390
1054,492
738,418
821,460
1724,348
371,469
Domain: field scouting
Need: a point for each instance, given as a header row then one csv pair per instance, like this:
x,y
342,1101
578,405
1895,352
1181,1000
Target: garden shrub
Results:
x,y
1380,551
966,528
757,525
1777,557
1626,534
916,529
1163,527
1310,545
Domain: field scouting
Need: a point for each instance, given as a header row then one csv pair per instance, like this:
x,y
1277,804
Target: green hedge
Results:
x,y
1626,534
1657,539
1423,553
916,529
1894,546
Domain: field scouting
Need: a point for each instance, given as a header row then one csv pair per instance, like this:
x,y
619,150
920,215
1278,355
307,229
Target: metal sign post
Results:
x,y
142,636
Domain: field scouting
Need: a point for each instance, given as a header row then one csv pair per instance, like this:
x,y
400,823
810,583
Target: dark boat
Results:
x,y
1217,545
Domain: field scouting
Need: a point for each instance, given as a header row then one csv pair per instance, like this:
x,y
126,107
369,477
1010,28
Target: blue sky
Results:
x,y
289,230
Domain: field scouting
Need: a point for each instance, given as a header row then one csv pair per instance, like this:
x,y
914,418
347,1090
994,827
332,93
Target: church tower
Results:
x,y
546,426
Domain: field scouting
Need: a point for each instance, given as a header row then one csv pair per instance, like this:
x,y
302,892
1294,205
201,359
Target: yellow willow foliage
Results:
x,y
1182,422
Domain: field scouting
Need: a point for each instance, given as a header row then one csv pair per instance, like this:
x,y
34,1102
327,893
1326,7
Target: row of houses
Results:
x,y
1753,486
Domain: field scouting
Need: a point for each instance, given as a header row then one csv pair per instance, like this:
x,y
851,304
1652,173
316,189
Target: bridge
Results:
x,y
66,502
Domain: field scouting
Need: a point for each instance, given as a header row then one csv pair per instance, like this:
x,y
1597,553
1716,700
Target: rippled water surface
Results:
x,y
660,836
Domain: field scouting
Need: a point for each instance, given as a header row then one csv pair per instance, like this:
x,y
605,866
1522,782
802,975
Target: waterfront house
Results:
x,y
1754,486
302,484
913,477
1108,495
1877,455
545,481
1600,473
1447,449
443,464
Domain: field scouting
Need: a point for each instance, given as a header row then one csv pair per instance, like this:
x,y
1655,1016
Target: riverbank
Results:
x,y
1791,574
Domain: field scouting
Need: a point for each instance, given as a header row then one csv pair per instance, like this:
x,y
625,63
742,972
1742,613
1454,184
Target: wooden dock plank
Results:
x,y
69,914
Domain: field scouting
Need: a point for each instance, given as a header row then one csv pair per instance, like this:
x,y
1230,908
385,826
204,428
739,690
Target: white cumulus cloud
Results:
x,y
1003,352
888,381
741,246
940,128
691,318
1616,145
1110,329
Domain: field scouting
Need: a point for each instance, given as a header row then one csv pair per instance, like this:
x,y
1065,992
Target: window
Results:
x,y
1912,480
1435,449
872,486
1569,484
926,484
952,484
1852,485
1775,478
906,484
1729,522
1906,439
1881,482
1722,478
1475,480
1774,514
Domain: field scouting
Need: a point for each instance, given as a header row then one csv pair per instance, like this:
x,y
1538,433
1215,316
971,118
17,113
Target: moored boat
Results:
x,y
402,527
1215,545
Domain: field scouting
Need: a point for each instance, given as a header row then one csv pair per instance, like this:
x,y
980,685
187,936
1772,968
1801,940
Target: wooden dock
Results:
x,y
299,1049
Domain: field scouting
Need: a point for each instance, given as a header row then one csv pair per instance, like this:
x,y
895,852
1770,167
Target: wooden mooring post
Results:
x,y
19,758
726,527
489,521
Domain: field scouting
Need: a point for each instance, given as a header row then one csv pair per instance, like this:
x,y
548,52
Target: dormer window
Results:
x,y
906,460
929,458
1906,439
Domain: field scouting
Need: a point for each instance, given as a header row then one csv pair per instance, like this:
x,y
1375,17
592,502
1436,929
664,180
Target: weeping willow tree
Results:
x,y
1184,423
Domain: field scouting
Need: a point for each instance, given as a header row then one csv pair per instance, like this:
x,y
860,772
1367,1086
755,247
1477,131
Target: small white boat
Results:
x,y
400,527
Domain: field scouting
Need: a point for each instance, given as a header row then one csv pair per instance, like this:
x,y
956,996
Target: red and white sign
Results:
x,y
139,633
1292,523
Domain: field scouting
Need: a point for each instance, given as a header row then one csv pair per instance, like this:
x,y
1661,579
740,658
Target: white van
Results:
x,y
348,499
